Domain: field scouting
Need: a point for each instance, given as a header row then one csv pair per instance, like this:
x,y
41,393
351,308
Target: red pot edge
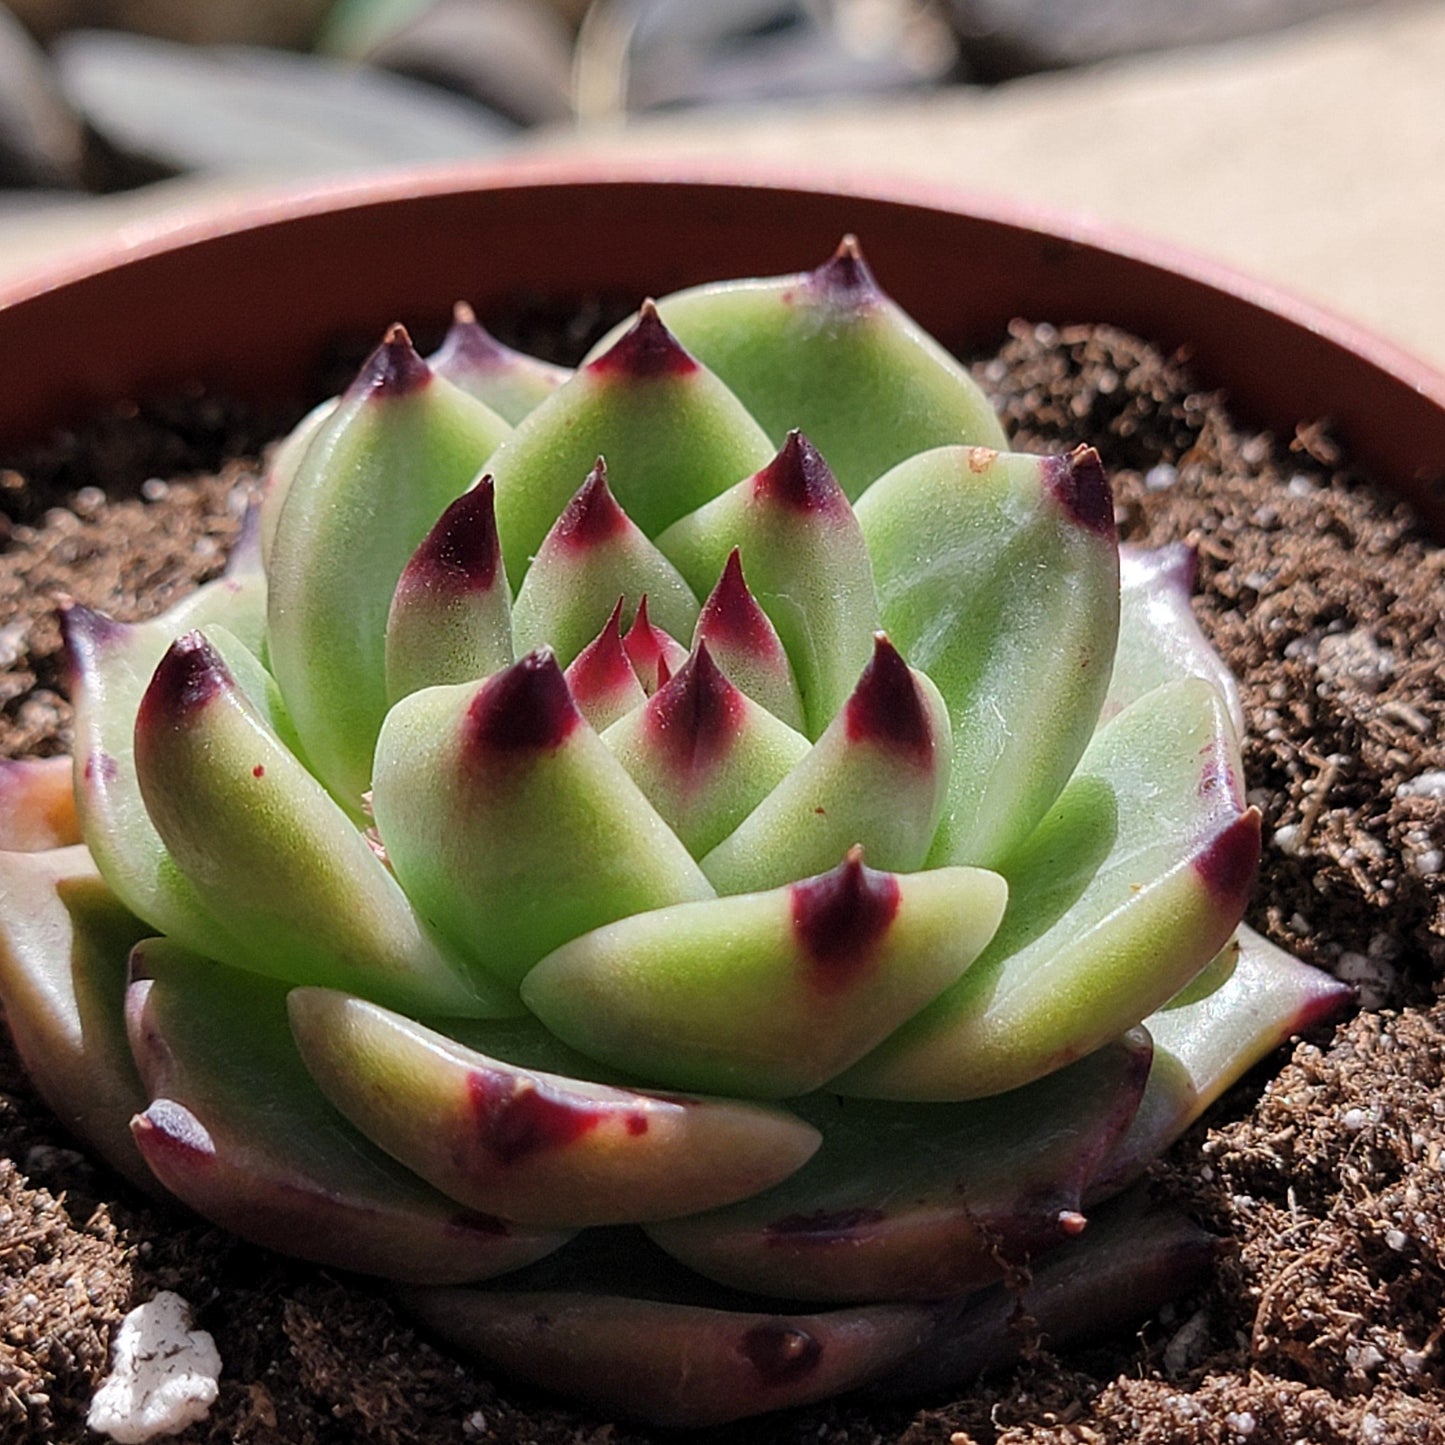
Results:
x,y
1311,336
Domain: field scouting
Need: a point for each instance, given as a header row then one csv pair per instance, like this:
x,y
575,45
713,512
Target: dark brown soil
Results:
x,y
1326,1168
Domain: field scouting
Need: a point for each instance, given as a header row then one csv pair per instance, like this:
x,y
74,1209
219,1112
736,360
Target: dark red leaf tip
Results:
x,y
694,718
467,346
651,651
840,919
845,276
1082,488
1227,865
647,350
888,707
593,517
516,1118
394,369
732,619
189,676
85,635
526,707
461,553
602,666
799,479
780,1353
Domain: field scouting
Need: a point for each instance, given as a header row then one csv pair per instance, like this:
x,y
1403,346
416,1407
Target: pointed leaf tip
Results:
x,y
696,714
167,1130
1079,482
845,275
467,342
731,615
647,350
1227,866
798,478
888,707
840,918
593,516
528,706
395,368
190,675
654,654
461,550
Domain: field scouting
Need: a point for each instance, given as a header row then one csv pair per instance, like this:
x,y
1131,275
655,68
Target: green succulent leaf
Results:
x,y
674,436
827,351
64,941
910,1202
1131,884
297,888
511,825
400,446
807,566
998,577
766,995
525,1144
510,382
237,1129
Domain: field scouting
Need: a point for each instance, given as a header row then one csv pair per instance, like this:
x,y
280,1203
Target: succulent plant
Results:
x,y
712,842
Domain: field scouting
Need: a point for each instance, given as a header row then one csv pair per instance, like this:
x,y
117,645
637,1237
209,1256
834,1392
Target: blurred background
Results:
x,y
1300,140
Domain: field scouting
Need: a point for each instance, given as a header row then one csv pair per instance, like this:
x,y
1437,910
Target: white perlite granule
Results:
x,y
162,1376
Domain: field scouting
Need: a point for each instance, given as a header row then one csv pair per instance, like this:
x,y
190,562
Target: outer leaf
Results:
x,y
1245,1005
64,940
237,1129
672,433
399,447
298,889
1133,882
766,994
914,1202
827,351
37,804
510,824
998,577
537,1147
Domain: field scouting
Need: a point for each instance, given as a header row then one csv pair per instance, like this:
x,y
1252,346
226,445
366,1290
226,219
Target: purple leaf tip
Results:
x,y
695,717
1082,488
461,553
603,665
731,616
393,369
840,919
525,707
653,653
647,350
85,635
1227,865
189,676
170,1132
468,345
799,479
593,517
845,275
888,708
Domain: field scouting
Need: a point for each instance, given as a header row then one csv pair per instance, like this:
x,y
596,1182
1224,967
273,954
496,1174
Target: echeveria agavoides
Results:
x,y
661,860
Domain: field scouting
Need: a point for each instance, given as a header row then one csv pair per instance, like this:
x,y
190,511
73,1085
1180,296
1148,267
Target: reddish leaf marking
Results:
x,y
461,553
693,720
259,771
888,707
799,480
840,919
170,1132
647,350
652,651
190,675
468,346
824,1226
845,276
731,618
602,667
593,517
1082,488
525,707
1227,865
780,1352
393,369
101,764
516,1119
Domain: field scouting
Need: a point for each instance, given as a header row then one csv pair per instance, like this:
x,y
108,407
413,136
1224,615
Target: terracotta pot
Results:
x,y
248,300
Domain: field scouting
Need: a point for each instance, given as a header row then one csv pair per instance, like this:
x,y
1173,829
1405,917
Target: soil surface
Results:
x,y
1325,1169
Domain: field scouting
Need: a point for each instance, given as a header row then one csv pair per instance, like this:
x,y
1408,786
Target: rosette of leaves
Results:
x,y
696,867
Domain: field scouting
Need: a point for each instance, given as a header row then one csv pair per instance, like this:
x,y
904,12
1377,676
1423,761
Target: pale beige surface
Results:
x,y
1314,158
